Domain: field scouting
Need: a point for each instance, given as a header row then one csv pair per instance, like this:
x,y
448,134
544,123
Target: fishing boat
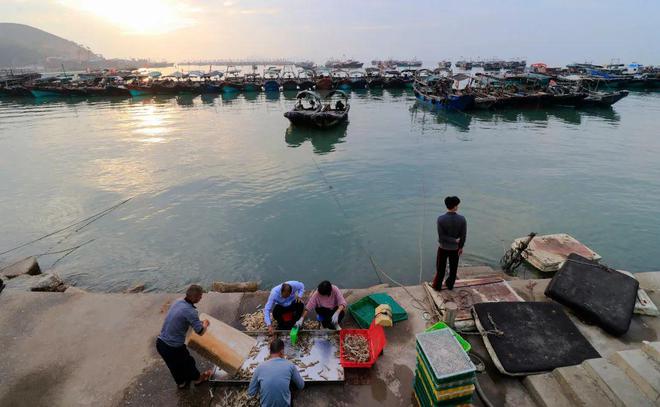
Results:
x,y
323,80
343,64
439,93
358,80
465,65
306,79
341,80
271,81
375,78
289,79
252,82
444,64
106,90
15,91
393,79
233,82
305,64
592,87
408,78
311,111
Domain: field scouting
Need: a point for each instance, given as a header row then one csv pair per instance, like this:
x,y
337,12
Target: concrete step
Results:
x,y
545,390
581,389
610,376
652,350
642,370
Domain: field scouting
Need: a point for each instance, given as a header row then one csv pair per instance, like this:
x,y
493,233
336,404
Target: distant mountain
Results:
x,y
22,45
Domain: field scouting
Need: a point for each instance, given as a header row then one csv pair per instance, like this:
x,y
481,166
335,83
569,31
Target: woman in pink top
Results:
x,y
329,304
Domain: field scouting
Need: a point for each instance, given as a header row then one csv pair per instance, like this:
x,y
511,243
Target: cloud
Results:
x,y
139,17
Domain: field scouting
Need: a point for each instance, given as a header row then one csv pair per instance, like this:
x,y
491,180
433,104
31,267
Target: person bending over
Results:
x,y
329,304
171,341
285,302
272,379
452,231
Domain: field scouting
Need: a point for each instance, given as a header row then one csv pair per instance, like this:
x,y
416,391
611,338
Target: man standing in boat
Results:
x,y
452,230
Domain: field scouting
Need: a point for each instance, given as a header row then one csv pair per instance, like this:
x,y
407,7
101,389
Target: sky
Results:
x,y
556,32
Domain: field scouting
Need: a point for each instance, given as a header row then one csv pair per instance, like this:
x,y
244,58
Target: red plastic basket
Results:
x,y
375,336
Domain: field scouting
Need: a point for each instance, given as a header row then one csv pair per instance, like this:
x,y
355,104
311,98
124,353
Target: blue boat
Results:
x,y
44,93
438,94
271,81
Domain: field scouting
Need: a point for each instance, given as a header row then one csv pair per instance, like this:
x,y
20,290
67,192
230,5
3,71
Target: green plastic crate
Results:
x,y
441,325
364,310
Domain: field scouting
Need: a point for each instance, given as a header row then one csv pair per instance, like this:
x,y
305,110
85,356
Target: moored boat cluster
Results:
x,y
498,84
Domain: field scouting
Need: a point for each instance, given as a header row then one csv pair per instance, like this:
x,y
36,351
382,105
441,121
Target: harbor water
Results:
x,y
223,188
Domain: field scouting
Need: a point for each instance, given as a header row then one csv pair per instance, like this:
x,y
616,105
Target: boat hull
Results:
x,y
319,120
271,86
450,102
45,93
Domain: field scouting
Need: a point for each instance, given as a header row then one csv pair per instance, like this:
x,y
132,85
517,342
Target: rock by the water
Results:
x,y
74,290
138,288
22,282
49,282
28,265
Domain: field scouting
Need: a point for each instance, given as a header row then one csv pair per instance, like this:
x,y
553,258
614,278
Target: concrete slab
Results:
x,y
643,371
652,350
581,389
649,280
608,375
545,390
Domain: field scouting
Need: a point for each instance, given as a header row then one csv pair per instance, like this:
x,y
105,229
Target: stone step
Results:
x,y
610,376
642,370
545,390
581,389
652,350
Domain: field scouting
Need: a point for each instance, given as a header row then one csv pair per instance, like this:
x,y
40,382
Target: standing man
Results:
x,y
272,378
452,230
329,304
171,341
285,302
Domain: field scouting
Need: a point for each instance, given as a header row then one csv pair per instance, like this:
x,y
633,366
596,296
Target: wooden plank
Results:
x,y
223,345
469,292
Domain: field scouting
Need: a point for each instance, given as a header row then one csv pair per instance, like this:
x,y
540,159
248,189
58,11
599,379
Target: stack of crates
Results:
x,y
445,376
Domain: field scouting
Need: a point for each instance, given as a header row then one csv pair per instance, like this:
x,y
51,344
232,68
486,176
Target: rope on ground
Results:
x,y
84,222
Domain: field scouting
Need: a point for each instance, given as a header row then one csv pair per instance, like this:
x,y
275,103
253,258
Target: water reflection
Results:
x,y
459,120
208,98
290,94
185,100
323,140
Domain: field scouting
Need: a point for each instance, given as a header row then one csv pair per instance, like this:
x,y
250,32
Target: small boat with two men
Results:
x,y
312,111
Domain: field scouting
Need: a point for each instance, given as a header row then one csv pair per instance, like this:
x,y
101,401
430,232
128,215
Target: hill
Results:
x,y
22,45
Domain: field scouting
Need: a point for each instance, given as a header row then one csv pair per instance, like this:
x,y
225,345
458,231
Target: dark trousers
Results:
x,y
441,266
326,316
286,317
178,360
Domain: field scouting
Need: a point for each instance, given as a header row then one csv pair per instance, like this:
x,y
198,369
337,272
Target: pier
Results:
x,y
92,348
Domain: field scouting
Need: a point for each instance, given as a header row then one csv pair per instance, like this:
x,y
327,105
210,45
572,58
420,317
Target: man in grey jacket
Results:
x,y
452,230
272,378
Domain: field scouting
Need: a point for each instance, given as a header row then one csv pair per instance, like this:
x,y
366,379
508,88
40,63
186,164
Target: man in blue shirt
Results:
x,y
272,378
285,302
171,341
452,231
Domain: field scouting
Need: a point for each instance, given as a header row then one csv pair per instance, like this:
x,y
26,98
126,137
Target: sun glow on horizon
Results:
x,y
139,17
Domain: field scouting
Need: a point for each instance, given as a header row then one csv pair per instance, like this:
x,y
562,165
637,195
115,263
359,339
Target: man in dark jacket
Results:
x,y
452,230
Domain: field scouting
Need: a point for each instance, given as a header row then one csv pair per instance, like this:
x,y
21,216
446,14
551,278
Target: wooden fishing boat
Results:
x,y
323,80
375,78
306,80
393,79
271,81
341,79
408,77
252,82
438,93
311,111
15,91
358,80
233,82
107,90
289,79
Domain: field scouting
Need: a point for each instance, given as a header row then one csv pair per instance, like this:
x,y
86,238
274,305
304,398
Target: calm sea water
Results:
x,y
224,189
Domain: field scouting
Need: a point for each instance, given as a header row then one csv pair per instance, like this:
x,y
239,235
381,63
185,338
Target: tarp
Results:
x,y
530,337
599,294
